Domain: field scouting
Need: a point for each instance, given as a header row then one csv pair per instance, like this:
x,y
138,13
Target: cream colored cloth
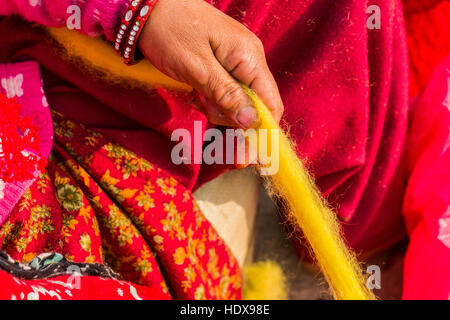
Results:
x,y
230,203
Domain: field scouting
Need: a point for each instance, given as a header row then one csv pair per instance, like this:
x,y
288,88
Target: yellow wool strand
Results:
x,y
291,183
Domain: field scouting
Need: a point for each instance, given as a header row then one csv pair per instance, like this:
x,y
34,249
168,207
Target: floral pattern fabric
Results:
x,y
97,202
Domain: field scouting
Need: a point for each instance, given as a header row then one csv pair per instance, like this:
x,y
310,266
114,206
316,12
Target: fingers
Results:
x,y
216,116
229,104
249,66
266,88
231,99
249,157
193,42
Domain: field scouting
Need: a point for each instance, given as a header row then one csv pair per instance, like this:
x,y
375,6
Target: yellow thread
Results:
x,y
307,209
291,183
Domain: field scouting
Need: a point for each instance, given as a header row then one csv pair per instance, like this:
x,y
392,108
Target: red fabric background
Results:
x,y
426,204
428,27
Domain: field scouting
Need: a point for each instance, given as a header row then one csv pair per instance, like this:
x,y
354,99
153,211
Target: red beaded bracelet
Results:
x,y
131,28
124,26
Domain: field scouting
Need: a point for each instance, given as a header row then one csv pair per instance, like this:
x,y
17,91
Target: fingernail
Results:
x,y
246,117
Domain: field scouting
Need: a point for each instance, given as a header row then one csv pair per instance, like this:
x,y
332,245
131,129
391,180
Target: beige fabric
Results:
x,y
230,202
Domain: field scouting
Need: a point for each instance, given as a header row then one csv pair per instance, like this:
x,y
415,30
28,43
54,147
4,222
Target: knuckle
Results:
x,y
257,42
227,95
250,62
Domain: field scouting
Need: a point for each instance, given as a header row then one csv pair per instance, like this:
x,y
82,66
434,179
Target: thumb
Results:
x,y
226,92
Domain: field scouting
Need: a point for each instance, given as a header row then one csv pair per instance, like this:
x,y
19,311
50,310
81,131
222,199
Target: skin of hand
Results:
x,y
193,42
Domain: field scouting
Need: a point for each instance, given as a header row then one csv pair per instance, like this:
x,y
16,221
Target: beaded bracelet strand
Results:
x,y
131,28
125,24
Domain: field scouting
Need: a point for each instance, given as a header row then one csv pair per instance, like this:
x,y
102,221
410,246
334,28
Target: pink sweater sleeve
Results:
x,y
97,17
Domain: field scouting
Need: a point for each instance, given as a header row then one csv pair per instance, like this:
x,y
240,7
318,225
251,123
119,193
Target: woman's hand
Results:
x,y
192,42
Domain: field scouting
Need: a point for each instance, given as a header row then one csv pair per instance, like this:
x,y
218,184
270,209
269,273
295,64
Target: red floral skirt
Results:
x,y
97,202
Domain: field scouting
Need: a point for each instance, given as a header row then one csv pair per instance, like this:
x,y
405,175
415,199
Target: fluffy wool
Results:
x,y
264,280
305,207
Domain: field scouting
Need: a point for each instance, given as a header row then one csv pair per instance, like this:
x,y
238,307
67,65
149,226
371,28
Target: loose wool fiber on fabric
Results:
x,y
291,183
264,280
95,57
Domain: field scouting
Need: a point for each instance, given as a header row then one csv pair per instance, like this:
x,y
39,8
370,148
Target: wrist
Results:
x,y
141,41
